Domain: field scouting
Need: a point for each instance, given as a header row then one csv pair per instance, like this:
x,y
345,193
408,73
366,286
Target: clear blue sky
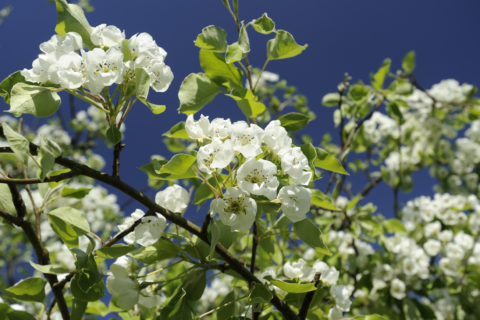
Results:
x,y
343,36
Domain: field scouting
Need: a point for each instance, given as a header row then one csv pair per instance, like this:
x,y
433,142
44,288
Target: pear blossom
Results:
x,y
40,67
335,314
257,177
199,129
235,209
103,68
120,285
276,137
107,36
215,155
342,294
68,71
295,202
144,49
330,276
147,232
246,139
397,289
220,128
69,42
432,247
173,198
293,270
464,240
160,75
445,235
295,163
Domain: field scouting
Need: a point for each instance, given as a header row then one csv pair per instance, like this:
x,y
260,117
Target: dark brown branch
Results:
x,y
116,159
302,314
60,177
370,186
206,223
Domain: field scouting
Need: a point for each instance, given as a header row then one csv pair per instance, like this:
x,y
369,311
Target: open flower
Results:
x,y
107,36
199,129
147,232
104,68
247,139
295,163
120,285
215,155
235,209
276,137
173,198
397,289
258,177
295,202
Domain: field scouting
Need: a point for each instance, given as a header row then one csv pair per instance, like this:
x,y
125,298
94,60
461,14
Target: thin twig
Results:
x,y
116,159
302,314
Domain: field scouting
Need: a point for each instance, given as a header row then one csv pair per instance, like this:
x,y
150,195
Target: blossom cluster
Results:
x,y
262,156
65,61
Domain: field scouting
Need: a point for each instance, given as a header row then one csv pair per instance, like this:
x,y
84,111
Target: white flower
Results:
x,y
335,314
104,68
197,129
295,163
246,139
235,209
464,240
330,276
295,202
276,137
173,198
397,289
448,266
119,284
432,229
454,251
40,66
445,235
160,75
145,50
220,128
342,294
147,232
215,155
68,71
69,42
309,254
107,36
432,247
257,177
294,270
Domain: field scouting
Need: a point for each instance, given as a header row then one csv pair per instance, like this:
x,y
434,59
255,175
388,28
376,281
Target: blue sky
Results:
x,y
343,36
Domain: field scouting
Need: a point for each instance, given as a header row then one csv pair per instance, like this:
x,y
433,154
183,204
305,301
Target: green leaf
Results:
x,y
370,317
19,315
331,99
142,83
6,202
394,111
293,287
328,162
378,78
264,24
163,249
115,251
49,268
179,164
87,284
70,17
31,99
283,46
408,62
247,102
155,108
228,307
294,121
352,203
177,131
234,53
212,38
243,41
175,307
358,92
195,92
218,70
77,193
19,144
78,309
260,294
309,233
30,289
98,308
194,285
394,226
69,224
321,200
49,150
114,135
7,84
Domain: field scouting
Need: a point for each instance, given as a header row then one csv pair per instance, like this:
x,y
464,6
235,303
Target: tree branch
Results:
x,y
302,314
57,178
116,159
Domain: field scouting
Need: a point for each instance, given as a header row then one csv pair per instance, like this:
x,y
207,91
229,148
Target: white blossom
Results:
x,y
215,155
397,289
294,270
147,232
103,68
432,247
246,139
197,129
173,198
258,177
161,76
69,42
107,36
295,164
342,294
235,209
276,137
330,276
120,285
220,128
295,202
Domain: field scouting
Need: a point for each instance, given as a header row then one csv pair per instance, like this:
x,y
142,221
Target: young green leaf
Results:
x,y
70,17
69,224
115,251
19,144
309,233
30,289
394,226
328,162
77,193
321,200
234,53
195,92
49,268
247,102
114,135
264,24
408,62
293,287
283,46
7,84
212,38
219,71
31,99
378,78
294,121
331,99
6,203
155,108
177,131
142,83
